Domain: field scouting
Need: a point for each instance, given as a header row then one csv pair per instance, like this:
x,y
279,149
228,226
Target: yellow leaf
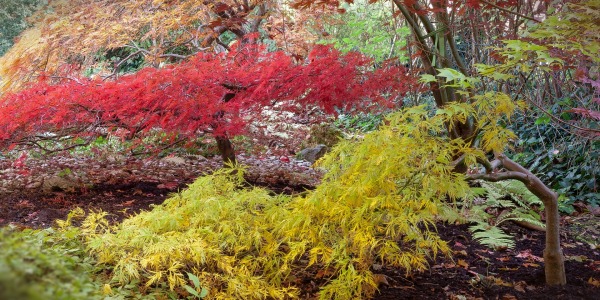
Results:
x,y
594,282
106,289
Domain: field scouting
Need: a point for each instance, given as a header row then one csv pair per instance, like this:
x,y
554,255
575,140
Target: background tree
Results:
x,y
370,29
74,36
296,31
13,20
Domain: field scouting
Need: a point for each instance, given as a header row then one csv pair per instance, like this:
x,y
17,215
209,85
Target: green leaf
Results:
x,y
195,280
545,119
204,293
425,78
192,291
500,76
450,74
491,236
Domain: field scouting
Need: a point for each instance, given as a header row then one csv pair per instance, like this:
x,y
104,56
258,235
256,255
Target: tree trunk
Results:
x,y
226,149
554,261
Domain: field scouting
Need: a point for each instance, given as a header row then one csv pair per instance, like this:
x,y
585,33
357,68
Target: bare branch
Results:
x,y
495,177
174,55
510,11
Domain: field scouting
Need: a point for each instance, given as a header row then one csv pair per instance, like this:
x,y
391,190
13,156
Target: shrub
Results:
x,y
377,204
566,161
45,264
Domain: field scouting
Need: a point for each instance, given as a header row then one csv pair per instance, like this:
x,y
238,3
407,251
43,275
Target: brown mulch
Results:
x,y
475,272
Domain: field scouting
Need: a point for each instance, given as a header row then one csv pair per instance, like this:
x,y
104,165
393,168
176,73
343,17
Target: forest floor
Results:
x,y
34,193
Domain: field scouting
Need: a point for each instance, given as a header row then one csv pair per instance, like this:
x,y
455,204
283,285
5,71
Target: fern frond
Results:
x,y
491,236
513,189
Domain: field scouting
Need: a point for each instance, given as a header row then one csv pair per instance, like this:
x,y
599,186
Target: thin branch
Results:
x,y
510,11
174,55
555,118
118,65
219,42
66,77
495,177
179,141
552,116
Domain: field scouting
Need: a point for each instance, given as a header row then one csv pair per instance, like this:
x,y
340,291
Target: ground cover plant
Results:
x,y
501,272
552,151
45,264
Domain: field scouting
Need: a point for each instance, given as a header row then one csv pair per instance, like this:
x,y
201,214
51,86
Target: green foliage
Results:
x,y
45,264
363,122
491,236
508,200
452,78
514,191
575,28
520,56
196,290
566,162
65,172
368,28
121,60
13,20
324,133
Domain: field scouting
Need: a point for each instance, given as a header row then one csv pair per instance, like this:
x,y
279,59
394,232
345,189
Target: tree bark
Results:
x,y
223,143
554,261
227,151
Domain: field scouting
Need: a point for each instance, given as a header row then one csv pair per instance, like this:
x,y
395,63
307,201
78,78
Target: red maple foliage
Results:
x,y
210,93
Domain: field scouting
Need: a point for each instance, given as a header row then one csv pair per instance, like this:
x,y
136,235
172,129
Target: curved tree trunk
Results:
x,y
554,261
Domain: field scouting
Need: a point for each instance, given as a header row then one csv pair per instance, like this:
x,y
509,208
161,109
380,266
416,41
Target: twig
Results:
x,y
510,11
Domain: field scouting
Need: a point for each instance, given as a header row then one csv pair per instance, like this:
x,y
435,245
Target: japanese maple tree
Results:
x,y
210,93
449,40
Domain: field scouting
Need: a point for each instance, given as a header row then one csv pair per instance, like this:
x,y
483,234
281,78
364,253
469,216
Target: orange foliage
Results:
x,y
295,31
72,32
